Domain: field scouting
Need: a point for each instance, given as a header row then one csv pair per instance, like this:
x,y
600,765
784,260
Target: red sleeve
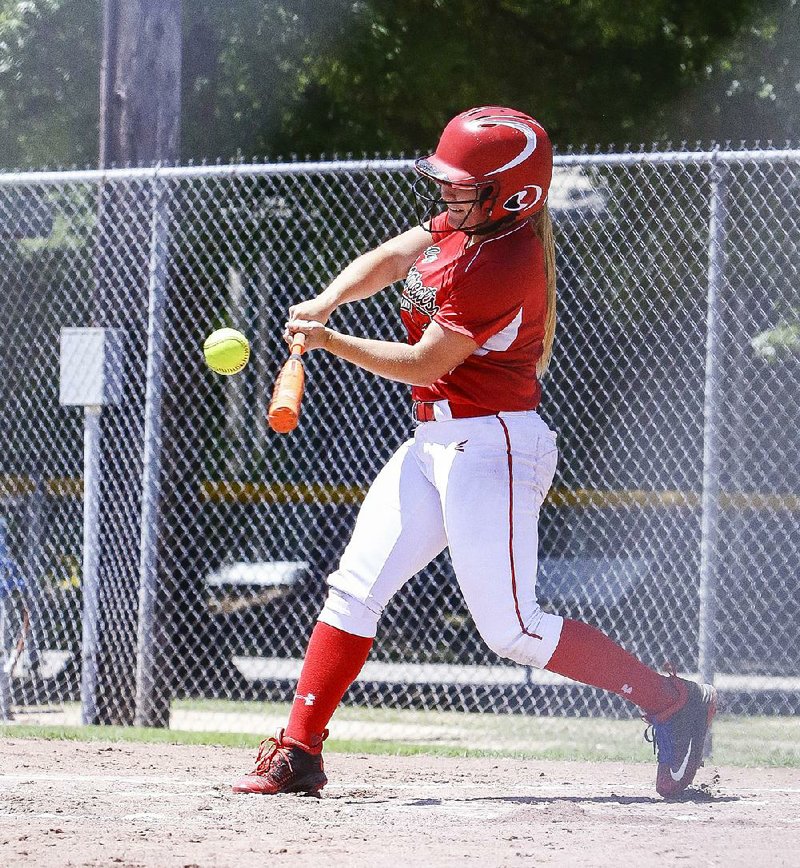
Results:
x,y
481,302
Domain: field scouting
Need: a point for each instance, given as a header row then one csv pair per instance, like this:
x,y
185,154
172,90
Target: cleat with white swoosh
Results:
x,y
679,734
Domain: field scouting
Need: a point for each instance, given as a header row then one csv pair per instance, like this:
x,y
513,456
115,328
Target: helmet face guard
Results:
x,y
502,154
428,202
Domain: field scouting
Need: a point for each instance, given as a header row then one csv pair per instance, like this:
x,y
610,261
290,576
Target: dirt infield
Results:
x,y
91,804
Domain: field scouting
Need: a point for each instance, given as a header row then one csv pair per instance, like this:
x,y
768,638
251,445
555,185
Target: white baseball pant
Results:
x,y
475,485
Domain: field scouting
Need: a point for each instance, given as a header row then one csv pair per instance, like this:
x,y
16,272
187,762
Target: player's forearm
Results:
x,y
363,277
392,361
376,269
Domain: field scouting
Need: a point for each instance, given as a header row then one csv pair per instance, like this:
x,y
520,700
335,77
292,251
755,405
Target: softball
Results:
x,y
226,351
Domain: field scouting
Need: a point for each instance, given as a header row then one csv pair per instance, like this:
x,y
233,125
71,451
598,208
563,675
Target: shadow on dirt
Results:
x,y
693,796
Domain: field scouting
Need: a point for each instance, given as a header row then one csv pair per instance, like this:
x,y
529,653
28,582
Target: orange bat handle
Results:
x,y
298,344
284,409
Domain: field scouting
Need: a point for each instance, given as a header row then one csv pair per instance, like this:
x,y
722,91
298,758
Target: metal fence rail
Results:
x,y
674,519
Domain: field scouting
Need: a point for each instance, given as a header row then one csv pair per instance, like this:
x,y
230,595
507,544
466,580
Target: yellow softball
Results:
x,y
226,351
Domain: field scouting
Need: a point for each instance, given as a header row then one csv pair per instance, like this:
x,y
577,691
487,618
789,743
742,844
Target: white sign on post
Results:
x,y
91,367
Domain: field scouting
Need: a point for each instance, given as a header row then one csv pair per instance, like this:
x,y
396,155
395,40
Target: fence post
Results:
x,y
6,651
6,656
90,641
709,531
33,571
152,706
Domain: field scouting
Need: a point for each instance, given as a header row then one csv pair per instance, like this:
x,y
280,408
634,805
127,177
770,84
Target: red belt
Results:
x,y
423,411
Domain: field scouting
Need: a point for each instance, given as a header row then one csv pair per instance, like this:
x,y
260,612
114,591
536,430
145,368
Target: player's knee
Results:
x,y
531,646
345,612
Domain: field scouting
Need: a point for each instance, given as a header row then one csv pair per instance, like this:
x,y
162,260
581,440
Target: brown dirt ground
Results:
x,y
91,804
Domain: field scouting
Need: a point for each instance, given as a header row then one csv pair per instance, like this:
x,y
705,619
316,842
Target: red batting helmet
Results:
x,y
503,153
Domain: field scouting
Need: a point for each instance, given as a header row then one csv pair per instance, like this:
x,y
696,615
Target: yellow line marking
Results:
x,y
321,493
280,492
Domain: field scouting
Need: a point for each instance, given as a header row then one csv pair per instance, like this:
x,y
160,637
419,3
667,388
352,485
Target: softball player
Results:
x,y
478,304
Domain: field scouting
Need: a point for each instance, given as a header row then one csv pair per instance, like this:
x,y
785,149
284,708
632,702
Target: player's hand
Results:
x,y
315,332
314,309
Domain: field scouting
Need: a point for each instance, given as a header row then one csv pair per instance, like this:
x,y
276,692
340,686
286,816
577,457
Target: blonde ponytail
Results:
x,y
545,232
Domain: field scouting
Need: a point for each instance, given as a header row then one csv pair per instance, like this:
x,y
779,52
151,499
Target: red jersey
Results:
x,y
495,292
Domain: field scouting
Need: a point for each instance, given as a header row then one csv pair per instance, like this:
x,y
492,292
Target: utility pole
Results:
x,y
140,82
139,125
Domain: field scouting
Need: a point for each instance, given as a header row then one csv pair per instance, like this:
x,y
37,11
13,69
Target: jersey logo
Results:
x,y
520,200
430,253
521,126
417,295
307,700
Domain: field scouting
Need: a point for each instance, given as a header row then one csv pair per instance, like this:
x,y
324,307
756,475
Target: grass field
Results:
x,y
738,741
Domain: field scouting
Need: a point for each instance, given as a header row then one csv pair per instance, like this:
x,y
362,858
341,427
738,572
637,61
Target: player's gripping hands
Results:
x,y
317,335
317,309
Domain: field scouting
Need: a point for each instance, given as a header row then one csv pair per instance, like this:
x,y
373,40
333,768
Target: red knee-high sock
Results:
x,y
585,654
333,660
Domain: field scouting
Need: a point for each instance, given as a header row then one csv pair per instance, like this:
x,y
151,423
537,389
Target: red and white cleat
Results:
x,y
285,765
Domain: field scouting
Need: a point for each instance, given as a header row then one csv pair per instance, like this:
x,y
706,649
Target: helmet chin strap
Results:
x,y
489,227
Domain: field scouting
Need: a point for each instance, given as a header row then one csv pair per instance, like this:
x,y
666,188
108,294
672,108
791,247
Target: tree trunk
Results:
x,y
139,125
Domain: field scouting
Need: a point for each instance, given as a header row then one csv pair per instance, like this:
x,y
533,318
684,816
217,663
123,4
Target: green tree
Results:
x,y
592,71
749,92
49,82
385,75
278,77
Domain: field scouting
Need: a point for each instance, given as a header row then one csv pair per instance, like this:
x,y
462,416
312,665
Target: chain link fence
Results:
x,y
189,597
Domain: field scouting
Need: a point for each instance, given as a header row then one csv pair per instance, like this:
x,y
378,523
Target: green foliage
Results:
x,y
591,71
751,90
49,82
777,343
281,77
